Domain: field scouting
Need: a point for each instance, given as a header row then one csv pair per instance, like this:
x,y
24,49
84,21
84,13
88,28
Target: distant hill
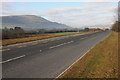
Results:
x,y
30,22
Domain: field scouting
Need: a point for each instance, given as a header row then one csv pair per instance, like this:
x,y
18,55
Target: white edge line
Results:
x,y
80,58
12,59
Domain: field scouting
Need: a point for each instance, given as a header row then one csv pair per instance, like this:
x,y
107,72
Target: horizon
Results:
x,y
74,14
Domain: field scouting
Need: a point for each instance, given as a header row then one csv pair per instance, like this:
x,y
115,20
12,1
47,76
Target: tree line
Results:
x,y
18,32
116,26
15,32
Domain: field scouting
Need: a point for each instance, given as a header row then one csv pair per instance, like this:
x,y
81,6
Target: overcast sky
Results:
x,y
75,14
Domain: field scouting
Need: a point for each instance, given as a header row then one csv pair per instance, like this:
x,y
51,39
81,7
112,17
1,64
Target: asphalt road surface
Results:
x,y
46,59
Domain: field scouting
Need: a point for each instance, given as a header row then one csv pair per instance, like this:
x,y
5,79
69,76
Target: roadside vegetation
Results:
x,y
18,35
32,38
100,62
116,26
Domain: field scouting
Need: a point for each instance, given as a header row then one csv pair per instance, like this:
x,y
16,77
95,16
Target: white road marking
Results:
x,y
70,42
79,58
40,50
84,38
12,59
61,44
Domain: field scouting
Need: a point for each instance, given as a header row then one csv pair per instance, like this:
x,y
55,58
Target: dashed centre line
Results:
x,y
40,50
84,38
61,44
70,42
13,59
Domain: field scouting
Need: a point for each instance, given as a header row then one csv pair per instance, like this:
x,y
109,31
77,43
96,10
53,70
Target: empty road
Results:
x,y
46,59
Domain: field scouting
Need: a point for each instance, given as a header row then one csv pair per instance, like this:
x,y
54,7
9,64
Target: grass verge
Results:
x,y
99,62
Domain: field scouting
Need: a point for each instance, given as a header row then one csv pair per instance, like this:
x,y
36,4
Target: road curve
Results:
x,y
47,59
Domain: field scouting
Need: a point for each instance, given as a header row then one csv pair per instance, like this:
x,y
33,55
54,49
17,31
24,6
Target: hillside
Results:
x,y
30,22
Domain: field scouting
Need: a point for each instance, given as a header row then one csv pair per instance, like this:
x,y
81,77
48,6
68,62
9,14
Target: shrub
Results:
x,y
116,26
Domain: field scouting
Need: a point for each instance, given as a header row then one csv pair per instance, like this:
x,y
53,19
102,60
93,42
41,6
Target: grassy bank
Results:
x,y
100,62
36,37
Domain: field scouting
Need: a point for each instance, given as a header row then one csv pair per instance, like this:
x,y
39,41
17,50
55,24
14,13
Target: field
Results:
x,y
99,62
36,37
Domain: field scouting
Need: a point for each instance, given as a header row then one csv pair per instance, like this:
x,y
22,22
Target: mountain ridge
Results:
x,y
30,22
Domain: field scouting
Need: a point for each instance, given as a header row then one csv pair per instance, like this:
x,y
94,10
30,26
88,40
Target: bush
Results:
x,y
17,32
86,29
116,26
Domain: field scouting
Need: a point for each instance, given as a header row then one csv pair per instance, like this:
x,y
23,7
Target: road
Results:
x,y
46,59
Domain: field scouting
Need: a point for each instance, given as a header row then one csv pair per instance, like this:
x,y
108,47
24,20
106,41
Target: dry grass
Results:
x,y
33,38
100,62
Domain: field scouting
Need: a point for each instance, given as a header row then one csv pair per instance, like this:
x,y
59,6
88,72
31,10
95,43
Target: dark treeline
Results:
x,y
59,31
116,26
44,31
18,32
